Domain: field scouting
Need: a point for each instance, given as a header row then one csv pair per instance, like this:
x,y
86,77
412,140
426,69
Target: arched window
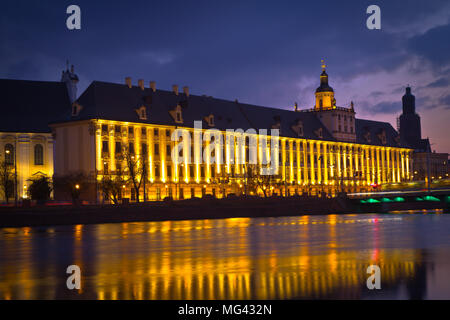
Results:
x,y
38,154
9,154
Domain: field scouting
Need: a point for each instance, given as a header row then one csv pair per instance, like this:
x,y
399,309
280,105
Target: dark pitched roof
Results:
x,y
370,132
29,106
111,101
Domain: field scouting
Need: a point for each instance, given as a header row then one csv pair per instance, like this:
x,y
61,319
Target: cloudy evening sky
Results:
x,y
260,52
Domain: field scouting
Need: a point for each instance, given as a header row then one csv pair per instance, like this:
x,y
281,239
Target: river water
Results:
x,y
304,257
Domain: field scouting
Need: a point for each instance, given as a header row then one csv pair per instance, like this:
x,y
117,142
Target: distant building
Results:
x,y
324,149
26,142
438,165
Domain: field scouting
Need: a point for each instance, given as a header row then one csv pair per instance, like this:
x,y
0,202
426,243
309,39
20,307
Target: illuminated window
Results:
x,y
105,146
144,148
118,147
38,155
9,154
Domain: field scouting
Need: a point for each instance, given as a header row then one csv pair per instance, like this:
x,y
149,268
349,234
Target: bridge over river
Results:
x,y
401,200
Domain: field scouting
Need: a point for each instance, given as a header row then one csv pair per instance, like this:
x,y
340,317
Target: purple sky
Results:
x,y
260,52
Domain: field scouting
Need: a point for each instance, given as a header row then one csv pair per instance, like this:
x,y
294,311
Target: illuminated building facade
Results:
x,y
26,142
322,150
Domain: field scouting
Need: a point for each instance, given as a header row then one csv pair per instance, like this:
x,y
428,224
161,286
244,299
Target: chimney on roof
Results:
x,y
128,81
153,85
186,91
175,89
141,84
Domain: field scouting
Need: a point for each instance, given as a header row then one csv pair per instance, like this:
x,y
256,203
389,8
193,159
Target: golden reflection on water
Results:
x,y
240,258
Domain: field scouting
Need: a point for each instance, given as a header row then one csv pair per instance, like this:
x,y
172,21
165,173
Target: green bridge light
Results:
x,y
418,199
386,200
399,199
431,198
372,200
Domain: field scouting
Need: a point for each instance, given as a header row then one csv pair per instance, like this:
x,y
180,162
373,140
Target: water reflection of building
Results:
x,y
210,259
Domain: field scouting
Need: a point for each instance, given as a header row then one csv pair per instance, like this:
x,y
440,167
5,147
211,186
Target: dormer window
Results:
x,y
367,136
209,120
319,132
382,137
177,114
76,108
142,113
298,128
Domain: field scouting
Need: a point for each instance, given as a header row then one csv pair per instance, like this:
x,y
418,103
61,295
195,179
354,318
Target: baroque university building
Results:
x,y
321,150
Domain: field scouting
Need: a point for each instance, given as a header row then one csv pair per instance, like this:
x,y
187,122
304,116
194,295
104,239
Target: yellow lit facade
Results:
x,y
31,154
311,166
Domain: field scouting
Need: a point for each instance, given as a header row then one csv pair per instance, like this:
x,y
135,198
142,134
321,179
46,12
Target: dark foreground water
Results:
x,y
263,258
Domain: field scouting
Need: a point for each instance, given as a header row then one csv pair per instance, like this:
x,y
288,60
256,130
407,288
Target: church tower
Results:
x,y
410,130
340,121
70,79
324,93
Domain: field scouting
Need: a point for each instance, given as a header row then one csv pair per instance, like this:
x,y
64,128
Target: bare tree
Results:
x,y
7,175
137,170
256,180
112,185
222,179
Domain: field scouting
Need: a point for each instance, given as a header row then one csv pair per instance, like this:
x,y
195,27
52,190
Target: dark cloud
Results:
x,y
376,94
439,83
390,107
445,101
434,45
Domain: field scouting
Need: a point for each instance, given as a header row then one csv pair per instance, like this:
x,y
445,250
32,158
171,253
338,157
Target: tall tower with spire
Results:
x,y
410,129
70,79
